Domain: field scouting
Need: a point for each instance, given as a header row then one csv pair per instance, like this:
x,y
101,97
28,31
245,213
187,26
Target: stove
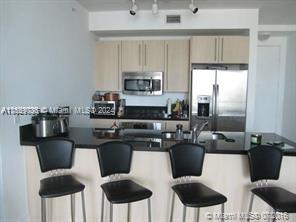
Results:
x,y
145,112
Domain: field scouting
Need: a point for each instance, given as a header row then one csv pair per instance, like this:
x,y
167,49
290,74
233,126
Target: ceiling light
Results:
x,y
193,7
155,7
134,8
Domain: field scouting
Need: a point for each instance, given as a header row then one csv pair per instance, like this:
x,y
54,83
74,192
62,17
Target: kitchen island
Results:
x,y
226,173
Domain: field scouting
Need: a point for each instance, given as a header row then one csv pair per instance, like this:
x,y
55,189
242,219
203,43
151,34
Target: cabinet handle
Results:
x,y
215,50
118,65
167,67
222,49
145,54
140,55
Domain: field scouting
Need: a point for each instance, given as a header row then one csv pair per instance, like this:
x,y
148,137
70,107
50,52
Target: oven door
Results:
x,y
142,83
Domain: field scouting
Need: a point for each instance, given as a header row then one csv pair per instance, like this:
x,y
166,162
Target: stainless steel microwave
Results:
x,y
142,83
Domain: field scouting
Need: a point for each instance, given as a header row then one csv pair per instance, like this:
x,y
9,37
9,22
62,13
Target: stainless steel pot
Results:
x,y
45,125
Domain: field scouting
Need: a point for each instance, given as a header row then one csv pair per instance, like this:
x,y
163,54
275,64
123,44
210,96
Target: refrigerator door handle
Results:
x,y
213,101
217,100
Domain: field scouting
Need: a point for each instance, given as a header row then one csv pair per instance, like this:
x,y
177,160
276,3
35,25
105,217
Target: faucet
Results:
x,y
196,132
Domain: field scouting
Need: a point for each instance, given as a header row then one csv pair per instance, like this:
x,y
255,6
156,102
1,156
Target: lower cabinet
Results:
x,y
171,125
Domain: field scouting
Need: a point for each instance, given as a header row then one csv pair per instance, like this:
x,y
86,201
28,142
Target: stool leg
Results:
x,y
128,211
111,212
250,206
222,212
43,209
184,213
172,206
73,207
102,206
197,214
149,210
83,206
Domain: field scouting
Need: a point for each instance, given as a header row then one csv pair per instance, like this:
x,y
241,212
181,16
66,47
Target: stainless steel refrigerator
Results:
x,y
226,88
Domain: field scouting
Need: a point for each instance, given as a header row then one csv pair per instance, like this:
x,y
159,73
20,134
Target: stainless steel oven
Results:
x,y
142,83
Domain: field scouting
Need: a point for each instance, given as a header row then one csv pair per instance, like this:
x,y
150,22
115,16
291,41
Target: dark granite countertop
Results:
x,y
147,140
143,118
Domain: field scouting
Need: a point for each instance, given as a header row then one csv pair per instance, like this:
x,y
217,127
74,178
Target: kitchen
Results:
x,y
73,58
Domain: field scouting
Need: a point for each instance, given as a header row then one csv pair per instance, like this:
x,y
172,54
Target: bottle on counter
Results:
x,y
169,107
179,132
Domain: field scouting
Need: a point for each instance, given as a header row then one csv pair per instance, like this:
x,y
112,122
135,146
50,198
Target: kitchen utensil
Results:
x,y
110,96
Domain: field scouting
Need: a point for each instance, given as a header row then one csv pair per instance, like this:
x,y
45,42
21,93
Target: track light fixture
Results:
x,y
155,7
134,8
193,7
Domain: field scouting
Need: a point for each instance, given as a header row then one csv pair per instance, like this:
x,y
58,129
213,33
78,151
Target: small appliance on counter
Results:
x,y
106,104
49,125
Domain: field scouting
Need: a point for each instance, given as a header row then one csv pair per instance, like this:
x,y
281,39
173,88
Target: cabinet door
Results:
x,y
234,49
131,56
171,125
153,55
204,49
177,65
107,63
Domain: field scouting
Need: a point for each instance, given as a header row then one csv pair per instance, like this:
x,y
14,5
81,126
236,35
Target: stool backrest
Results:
x,y
114,158
265,162
186,159
55,153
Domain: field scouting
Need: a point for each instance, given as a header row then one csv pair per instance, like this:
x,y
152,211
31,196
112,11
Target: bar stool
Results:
x,y
55,154
265,164
115,158
187,160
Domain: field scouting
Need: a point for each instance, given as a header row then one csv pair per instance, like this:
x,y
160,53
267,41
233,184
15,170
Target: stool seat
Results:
x,y
59,186
279,199
125,191
198,195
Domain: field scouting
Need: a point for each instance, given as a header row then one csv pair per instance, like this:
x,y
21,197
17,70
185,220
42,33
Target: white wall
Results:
x,y
47,58
289,112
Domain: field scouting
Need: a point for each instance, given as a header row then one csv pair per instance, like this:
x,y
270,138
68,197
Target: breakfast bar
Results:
x,y
225,170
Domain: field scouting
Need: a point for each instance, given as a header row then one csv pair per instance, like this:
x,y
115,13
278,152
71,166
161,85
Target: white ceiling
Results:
x,y
271,11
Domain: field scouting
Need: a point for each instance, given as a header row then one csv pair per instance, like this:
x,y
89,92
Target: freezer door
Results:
x,y
203,82
231,91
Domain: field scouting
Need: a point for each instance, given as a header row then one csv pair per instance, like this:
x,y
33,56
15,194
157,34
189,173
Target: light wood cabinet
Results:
x,y
153,55
219,49
132,56
107,66
203,49
177,66
171,125
234,49
140,56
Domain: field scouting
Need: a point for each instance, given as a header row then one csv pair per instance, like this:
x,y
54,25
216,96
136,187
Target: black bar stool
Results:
x,y
187,160
55,154
115,158
265,164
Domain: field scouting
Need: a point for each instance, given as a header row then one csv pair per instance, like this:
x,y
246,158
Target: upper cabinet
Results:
x,y
138,56
131,53
107,65
177,66
203,49
234,49
219,49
